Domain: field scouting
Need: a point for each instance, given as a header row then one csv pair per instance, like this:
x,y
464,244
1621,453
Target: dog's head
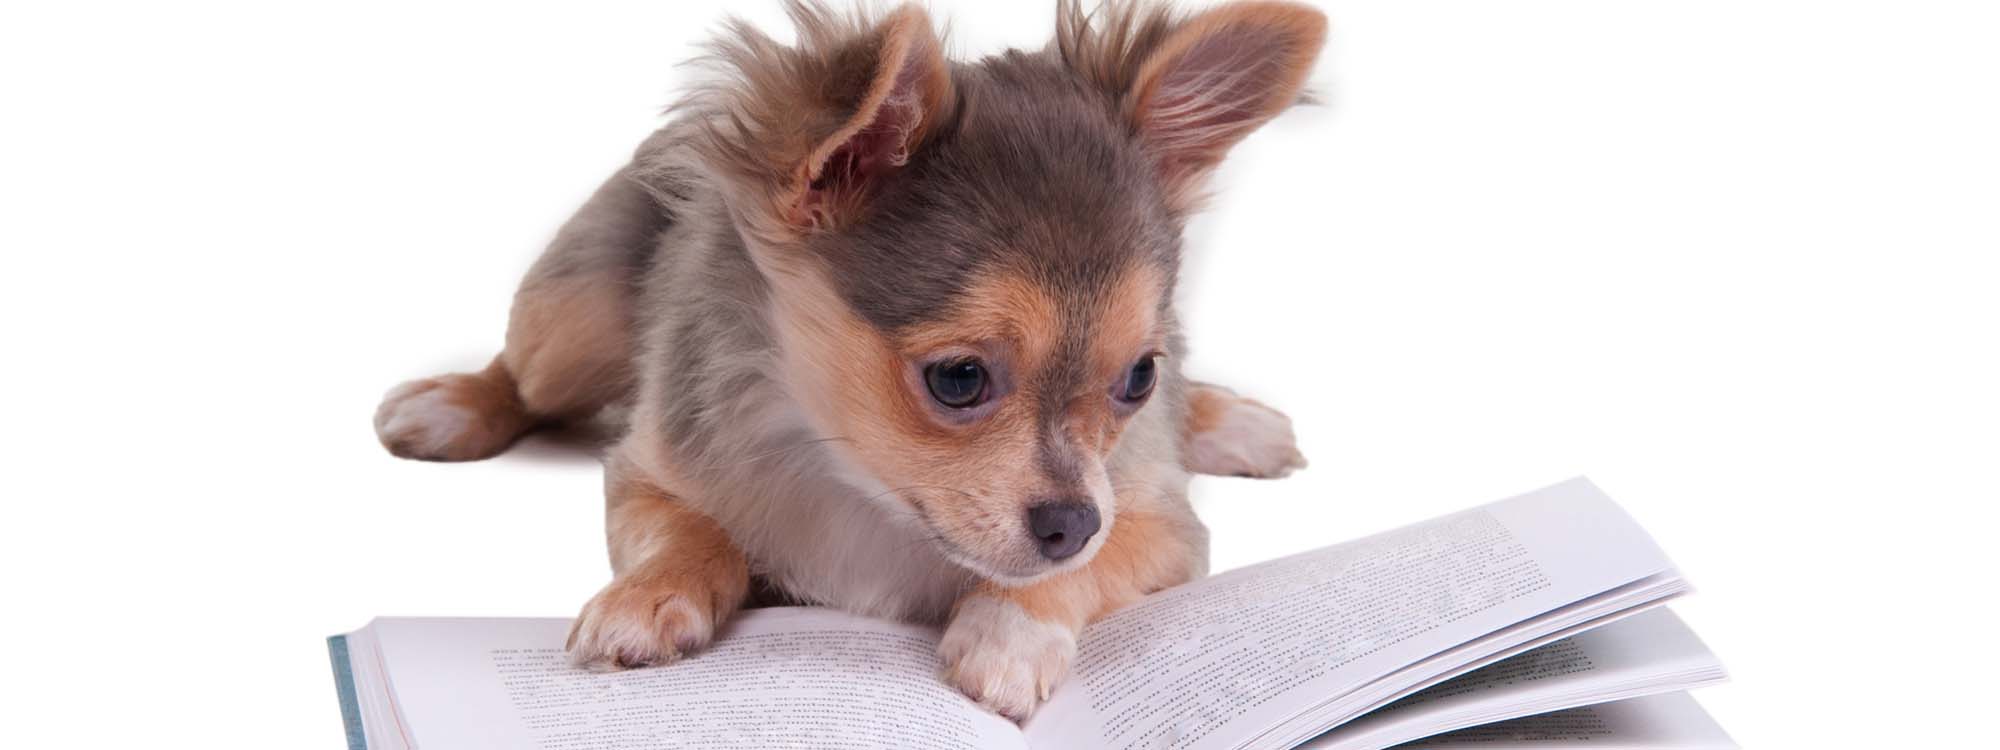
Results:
x,y
973,264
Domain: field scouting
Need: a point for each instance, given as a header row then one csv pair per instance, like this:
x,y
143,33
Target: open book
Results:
x,y
1528,622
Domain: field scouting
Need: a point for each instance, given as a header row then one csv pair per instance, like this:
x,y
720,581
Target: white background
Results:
x,y
1733,260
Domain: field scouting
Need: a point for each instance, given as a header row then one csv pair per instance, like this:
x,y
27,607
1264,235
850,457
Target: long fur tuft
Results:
x,y
1109,44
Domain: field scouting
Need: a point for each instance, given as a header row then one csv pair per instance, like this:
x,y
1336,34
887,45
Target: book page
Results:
x,y
776,678
1652,652
380,725
1673,721
1220,662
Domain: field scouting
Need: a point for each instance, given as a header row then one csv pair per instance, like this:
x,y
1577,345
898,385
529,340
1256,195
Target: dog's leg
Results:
x,y
676,577
568,348
1008,647
1229,435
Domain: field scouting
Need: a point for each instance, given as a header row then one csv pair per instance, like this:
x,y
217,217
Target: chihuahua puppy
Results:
x,y
895,334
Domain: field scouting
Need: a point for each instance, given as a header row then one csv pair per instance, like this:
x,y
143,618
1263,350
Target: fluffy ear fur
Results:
x,y
1192,88
803,132
907,87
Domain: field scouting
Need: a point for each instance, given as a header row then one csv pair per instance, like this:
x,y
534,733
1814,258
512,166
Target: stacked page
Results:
x,y
1672,720
1528,606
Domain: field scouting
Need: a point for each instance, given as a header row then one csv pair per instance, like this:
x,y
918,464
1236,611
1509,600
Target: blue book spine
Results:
x,y
343,683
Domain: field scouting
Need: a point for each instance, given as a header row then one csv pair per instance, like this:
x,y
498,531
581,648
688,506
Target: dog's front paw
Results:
x,y
1238,437
1003,658
642,622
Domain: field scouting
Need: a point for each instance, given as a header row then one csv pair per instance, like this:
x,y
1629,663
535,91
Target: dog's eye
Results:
x,y
959,383
1139,380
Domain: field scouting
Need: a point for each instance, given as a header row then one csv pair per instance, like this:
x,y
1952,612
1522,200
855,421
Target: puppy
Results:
x,y
896,334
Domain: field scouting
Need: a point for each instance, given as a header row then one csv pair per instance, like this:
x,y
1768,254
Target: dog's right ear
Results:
x,y
1192,88
805,134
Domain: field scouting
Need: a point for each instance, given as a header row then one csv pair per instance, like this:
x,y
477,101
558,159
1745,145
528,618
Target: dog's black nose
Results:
x,y
1061,527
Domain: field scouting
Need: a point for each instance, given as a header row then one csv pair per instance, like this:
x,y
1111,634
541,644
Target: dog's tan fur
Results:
x,y
566,345
727,288
489,412
675,572
1229,435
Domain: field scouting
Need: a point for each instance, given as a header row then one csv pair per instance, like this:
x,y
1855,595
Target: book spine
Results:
x,y
343,683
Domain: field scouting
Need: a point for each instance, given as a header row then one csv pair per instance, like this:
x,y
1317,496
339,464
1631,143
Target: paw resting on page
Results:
x,y
1002,657
641,622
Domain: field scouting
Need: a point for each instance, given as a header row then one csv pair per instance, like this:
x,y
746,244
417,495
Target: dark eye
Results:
x,y
1139,380
959,384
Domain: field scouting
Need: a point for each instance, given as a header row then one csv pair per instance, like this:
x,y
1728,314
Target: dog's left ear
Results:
x,y
1214,78
803,134
898,86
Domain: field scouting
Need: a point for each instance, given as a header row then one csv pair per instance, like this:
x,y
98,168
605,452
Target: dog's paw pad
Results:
x,y
449,418
1244,438
1003,658
630,625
